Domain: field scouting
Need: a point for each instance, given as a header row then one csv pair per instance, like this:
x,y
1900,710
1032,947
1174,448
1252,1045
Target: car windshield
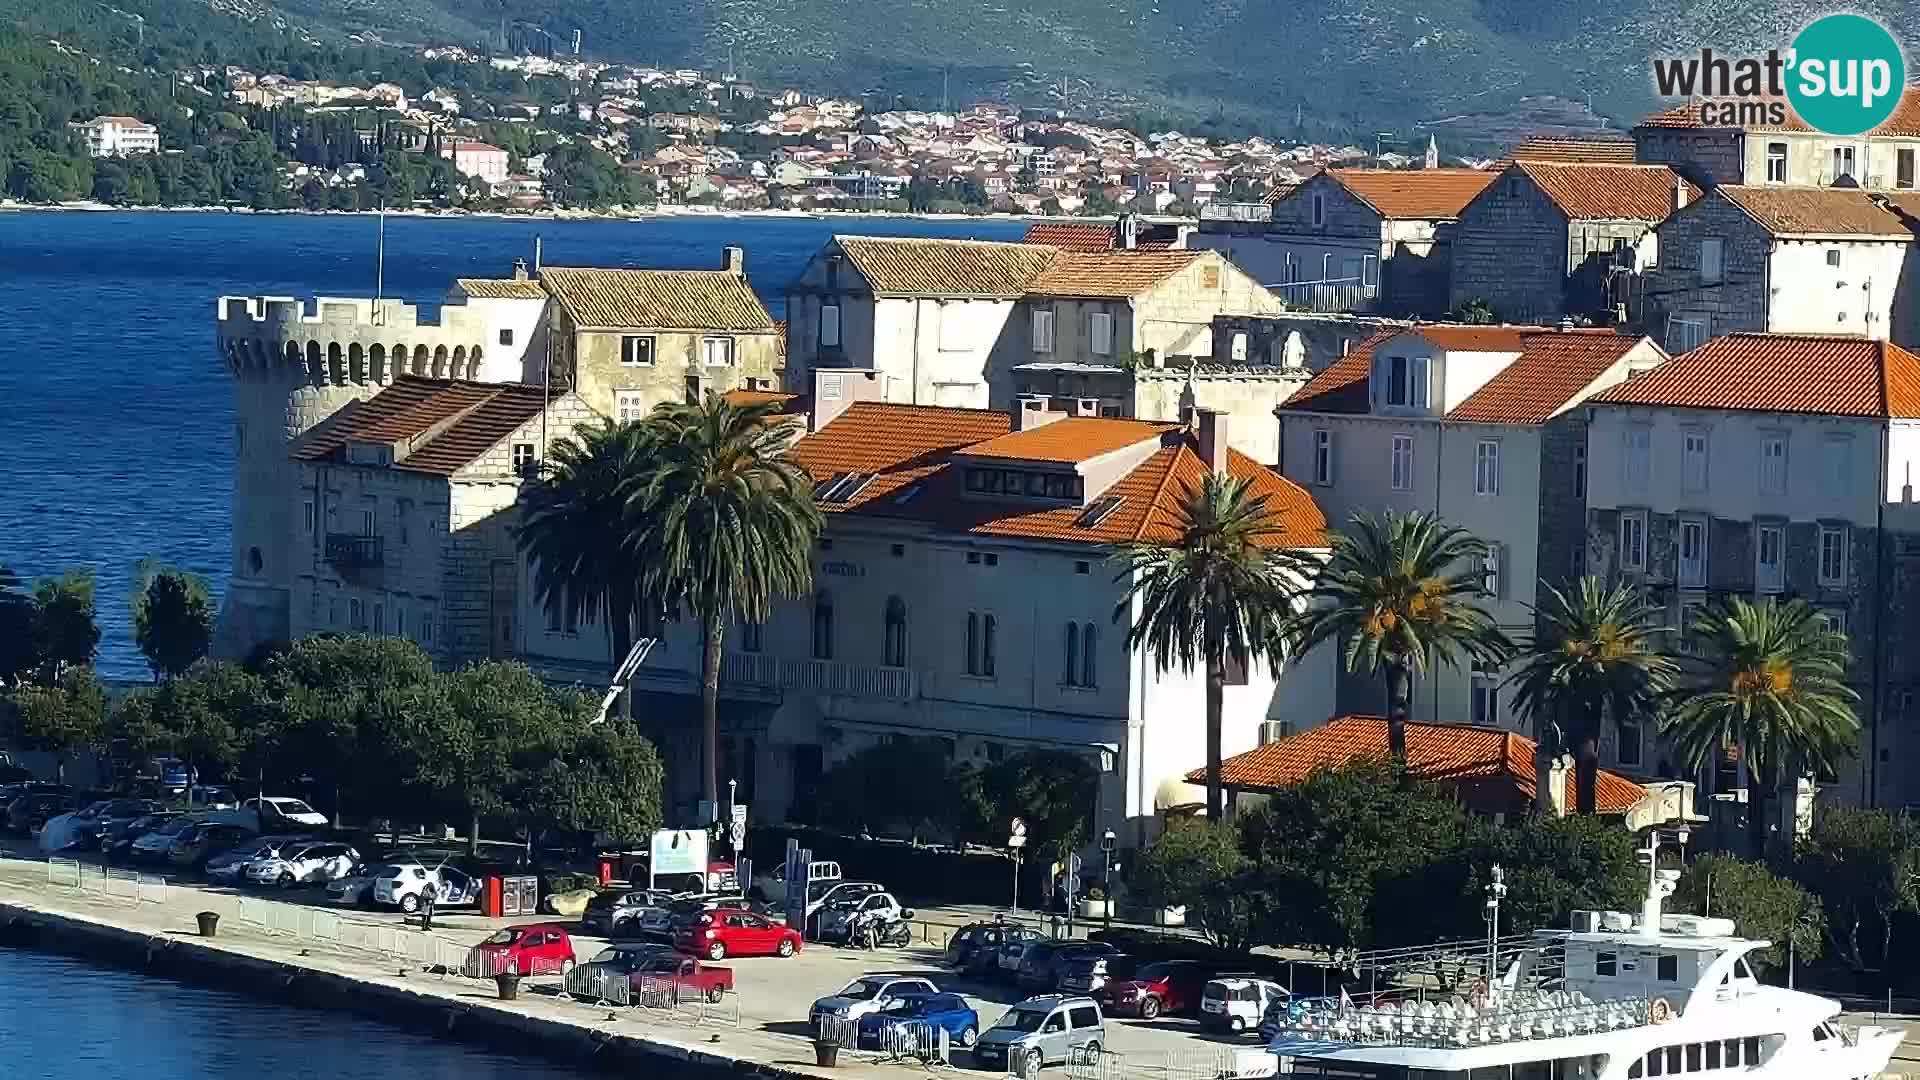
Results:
x,y
863,989
506,936
1023,1019
1154,972
911,1006
666,965
290,806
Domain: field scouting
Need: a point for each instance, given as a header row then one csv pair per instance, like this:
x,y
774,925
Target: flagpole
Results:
x,y
380,257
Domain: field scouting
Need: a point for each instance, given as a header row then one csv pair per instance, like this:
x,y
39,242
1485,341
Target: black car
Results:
x,y
118,839
30,811
107,816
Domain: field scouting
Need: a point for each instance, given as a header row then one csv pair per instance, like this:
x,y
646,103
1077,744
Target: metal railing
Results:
x,y
819,676
592,986
1236,211
111,882
349,549
1340,295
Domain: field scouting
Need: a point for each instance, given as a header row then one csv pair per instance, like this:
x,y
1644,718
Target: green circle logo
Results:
x,y
1845,74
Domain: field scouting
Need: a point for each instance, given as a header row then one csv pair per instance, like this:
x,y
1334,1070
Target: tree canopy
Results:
x,y
172,617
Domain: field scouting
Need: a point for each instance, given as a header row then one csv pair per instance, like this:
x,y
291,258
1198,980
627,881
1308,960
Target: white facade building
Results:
x,y
482,161
119,136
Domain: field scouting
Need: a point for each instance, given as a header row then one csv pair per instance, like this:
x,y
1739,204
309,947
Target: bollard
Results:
x,y
209,923
509,985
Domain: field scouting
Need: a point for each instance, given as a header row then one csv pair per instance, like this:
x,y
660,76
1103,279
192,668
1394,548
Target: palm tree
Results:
x,y
576,529
1596,652
1772,682
1213,597
726,521
1403,591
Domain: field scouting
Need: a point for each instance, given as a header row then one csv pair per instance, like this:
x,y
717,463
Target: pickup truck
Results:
x,y
680,976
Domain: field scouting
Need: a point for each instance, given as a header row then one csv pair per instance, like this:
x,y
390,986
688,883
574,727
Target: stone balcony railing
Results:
x,y
818,676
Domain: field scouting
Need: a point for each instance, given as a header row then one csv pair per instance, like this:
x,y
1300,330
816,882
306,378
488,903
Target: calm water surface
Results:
x,y
67,1020
116,420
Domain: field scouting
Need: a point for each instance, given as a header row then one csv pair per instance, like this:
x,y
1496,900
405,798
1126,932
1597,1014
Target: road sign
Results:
x,y
737,834
740,814
1073,865
1019,831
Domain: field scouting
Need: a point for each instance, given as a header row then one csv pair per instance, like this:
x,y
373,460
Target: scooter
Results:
x,y
880,931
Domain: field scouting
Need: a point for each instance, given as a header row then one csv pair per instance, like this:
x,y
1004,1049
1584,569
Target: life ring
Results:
x,y
1660,1010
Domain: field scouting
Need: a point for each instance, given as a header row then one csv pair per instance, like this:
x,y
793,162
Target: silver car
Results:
x,y
619,914
1047,1030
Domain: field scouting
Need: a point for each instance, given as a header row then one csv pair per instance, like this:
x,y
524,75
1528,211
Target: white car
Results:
x,y
868,994
276,809
1237,1003
402,885
308,864
835,919
230,867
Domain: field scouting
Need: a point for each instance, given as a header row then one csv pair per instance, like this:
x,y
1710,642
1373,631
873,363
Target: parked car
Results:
x,y
1036,972
532,949
153,845
1040,1031
275,811
30,812
193,847
1170,986
941,1012
1090,973
409,882
835,919
618,913
170,773
625,957
115,813
661,972
868,994
208,797
822,894
1238,1004
730,931
684,910
119,839
981,957
1062,959
230,866
1012,951
303,864
771,886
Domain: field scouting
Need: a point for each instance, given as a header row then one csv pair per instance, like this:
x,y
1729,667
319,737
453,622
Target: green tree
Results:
x,y
727,524
1211,597
65,719
1476,310
1772,681
19,656
899,787
1595,654
1052,791
608,783
1864,865
65,635
1403,593
216,717
345,717
172,617
1761,903
1198,865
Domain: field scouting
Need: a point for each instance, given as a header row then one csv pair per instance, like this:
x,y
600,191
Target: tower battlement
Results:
x,y
337,341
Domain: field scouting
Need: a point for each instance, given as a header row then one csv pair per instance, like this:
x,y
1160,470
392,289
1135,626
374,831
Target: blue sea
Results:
x,y
116,418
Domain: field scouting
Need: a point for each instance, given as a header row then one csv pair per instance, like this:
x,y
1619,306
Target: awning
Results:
x,y
1176,794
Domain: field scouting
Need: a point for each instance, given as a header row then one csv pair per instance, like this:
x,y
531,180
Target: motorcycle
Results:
x,y
879,930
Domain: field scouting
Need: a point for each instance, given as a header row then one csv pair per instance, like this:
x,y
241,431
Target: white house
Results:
x,y
1478,425
118,136
482,161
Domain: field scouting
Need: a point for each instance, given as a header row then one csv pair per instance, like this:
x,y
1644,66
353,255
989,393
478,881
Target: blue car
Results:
x,y
949,1012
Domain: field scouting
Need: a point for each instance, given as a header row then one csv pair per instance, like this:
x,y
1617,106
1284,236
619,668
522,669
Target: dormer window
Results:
x,y
1028,483
1401,381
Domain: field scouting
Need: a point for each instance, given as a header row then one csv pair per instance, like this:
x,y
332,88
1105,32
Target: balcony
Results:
x,y
351,552
819,677
1253,213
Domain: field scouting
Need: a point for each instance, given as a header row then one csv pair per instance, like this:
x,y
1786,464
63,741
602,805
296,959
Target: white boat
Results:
x,y
1616,997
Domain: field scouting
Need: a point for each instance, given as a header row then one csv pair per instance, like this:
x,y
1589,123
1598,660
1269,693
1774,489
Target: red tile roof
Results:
x,y
1466,337
1785,211
1787,373
1441,753
1342,386
1905,119
1074,439
1072,235
1553,368
1556,148
449,424
1588,191
1414,193
1111,274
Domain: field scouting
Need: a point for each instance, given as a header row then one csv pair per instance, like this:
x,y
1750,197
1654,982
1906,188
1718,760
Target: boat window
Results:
x,y
1693,1057
1603,963
1741,970
1673,1060
1820,1033
1750,1050
1636,1070
1667,968
1713,1055
1656,1064
1733,1053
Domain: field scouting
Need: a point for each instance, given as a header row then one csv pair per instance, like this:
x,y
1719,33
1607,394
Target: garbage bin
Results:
x,y
826,1054
209,923
509,984
606,871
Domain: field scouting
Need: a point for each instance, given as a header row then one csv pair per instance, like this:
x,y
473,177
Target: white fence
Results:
x,y
111,882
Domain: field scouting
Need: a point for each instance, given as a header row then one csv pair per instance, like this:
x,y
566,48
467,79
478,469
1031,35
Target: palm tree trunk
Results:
x,y
473,834
1586,767
1543,754
1216,706
715,630
1759,788
1399,691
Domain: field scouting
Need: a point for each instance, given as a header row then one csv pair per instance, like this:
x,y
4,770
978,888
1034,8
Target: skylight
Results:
x,y
842,487
1100,511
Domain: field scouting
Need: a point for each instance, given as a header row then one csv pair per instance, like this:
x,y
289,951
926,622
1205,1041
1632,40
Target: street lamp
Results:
x,y
1496,892
1106,851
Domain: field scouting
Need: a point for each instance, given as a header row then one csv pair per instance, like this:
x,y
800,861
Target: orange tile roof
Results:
x,y
1787,373
1115,274
1280,191
1557,148
763,397
914,266
1072,235
1074,439
1440,753
1905,119
1342,386
1473,337
897,443
1785,211
1553,368
454,422
502,288
1587,191
657,299
1414,193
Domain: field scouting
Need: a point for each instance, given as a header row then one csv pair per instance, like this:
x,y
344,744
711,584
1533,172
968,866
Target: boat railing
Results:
x,y
1499,1018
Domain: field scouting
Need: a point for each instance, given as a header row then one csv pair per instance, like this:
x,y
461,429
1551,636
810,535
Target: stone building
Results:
x,y
1706,143
1554,239
405,504
1786,260
1367,240
1482,426
1775,465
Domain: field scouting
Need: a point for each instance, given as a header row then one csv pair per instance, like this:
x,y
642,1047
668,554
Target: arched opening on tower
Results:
x,y
420,360
440,362
377,362
357,362
459,370
316,374
473,363
292,354
336,364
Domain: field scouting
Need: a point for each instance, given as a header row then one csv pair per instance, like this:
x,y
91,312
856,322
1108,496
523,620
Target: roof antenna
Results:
x,y
536,254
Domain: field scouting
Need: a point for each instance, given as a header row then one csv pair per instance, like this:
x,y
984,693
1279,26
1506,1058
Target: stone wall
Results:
x,y
1706,157
1738,301
1308,341
1511,250
1563,508
591,360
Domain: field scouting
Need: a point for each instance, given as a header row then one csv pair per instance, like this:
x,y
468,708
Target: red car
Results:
x,y
534,949
1171,986
725,932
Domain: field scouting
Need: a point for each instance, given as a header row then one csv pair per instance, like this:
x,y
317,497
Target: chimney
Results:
x,y
1085,406
837,388
1213,439
1679,191
519,269
733,260
1128,228
1034,410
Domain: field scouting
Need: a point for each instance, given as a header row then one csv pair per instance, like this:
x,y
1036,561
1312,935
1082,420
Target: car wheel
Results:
x,y
410,903
1090,1053
1033,1065
969,1036
621,928
786,947
1149,1007
716,951
715,993
286,879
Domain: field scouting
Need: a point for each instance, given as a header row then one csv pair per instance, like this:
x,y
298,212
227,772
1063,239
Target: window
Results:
x,y
1629,749
1486,468
636,350
717,351
1776,163
692,392
1638,458
1833,257
1693,552
1407,381
1088,653
823,625
1768,570
1078,669
1836,455
1486,697
1403,463
1491,578
629,406
896,632
1604,964
1750,1050
522,457
506,336
1322,459
1903,168
426,626
1773,465
1082,566
980,644
1693,461
1835,620
1683,636
1666,968
1580,471
379,617
306,517
356,614
1693,1057
399,621
829,326
1633,541
1833,555
1710,249
1100,333
1842,162
1043,330
1319,209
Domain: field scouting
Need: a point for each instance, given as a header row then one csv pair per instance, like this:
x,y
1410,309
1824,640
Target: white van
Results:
x,y
1237,1003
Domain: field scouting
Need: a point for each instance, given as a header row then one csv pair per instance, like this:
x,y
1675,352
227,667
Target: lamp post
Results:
x,y
1496,892
1106,852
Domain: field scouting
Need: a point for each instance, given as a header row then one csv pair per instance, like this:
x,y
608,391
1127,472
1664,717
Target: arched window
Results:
x,y
896,632
356,363
980,635
1070,671
823,625
1087,669
377,364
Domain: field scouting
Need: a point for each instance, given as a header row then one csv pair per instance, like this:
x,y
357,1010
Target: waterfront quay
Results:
x,y
379,966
